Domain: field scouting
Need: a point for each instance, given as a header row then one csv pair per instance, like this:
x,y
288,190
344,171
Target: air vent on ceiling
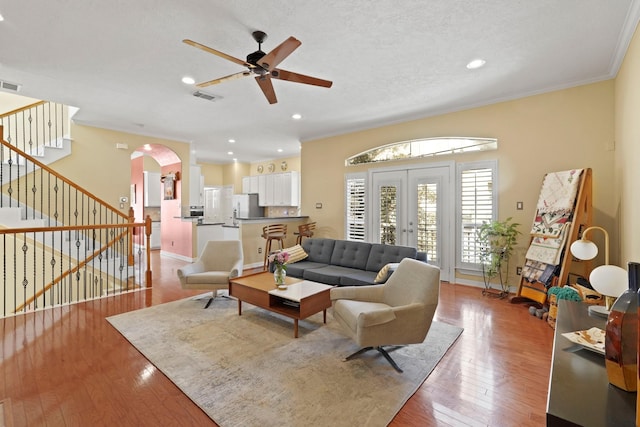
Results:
x,y
207,96
9,86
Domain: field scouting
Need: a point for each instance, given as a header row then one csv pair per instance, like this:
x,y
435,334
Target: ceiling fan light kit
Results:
x,y
263,65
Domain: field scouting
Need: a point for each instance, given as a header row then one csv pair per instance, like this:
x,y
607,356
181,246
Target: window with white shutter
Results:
x,y
477,203
355,192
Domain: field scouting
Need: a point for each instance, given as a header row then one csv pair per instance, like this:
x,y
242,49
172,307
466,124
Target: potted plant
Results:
x,y
497,240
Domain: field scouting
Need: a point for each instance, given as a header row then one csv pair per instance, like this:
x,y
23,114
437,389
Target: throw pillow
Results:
x,y
385,272
296,253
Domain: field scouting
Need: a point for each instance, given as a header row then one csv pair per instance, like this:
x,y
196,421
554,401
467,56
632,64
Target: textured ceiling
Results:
x,y
121,62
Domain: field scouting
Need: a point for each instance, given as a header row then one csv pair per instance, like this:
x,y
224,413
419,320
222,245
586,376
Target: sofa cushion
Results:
x,y
380,255
297,269
318,250
351,254
358,278
330,274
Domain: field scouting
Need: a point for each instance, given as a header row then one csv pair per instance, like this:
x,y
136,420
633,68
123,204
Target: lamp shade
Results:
x,y
584,249
609,280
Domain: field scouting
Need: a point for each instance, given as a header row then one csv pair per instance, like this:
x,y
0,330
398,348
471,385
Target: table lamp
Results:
x,y
608,280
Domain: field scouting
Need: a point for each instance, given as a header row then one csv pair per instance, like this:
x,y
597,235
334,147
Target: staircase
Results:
x,y
59,244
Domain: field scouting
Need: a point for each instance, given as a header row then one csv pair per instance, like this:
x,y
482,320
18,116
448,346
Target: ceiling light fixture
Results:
x,y
188,80
232,141
230,153
476,63
296,116
279,150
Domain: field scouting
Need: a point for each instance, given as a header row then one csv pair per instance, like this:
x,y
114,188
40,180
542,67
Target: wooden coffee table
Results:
x,y
301,299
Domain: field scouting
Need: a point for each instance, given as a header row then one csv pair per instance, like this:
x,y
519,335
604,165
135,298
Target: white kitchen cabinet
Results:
x,y
196,186
152,189
262,188
246,184
280,189
156,236
250,184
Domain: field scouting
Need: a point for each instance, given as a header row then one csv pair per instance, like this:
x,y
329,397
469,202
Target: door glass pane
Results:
x,y
388,214
427,229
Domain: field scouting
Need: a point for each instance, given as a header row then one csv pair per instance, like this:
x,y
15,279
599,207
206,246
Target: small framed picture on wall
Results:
x,y
169,187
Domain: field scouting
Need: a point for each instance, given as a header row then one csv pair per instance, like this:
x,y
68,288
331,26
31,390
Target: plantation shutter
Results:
x,y
355,208
476,207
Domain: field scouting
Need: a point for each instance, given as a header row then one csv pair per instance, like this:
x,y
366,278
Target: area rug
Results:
x,y
249,370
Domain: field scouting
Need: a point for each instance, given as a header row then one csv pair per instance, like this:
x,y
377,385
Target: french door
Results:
x,y
412,207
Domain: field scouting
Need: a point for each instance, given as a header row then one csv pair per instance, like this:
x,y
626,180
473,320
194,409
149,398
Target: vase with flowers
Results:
x,y
279,261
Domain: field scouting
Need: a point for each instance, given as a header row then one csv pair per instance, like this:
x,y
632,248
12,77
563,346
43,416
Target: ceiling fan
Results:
x,y
263,65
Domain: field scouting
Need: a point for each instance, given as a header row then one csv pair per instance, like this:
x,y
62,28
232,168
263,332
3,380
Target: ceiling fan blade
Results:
x,y
218,53
299,78
267,88
277,55
224,79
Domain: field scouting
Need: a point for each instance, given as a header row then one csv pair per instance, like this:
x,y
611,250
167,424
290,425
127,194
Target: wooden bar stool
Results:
x,y
273,232
305,230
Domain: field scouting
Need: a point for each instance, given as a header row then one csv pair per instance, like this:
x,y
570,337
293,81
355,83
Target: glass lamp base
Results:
x,y
599,310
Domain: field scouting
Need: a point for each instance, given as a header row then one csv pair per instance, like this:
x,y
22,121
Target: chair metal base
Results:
x,y
382,351
215,294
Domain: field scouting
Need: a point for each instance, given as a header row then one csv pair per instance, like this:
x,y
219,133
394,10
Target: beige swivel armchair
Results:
x,y
396,313
219,261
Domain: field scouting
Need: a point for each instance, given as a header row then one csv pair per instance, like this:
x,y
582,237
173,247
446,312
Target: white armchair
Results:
x,y
219,261
396,313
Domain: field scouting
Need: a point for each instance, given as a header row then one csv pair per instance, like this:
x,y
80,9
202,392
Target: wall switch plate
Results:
x,y
519,206
519,271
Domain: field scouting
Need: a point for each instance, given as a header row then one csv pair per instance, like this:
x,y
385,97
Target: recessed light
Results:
x,y
476,63
1,18
231,141
296,116
279,150
235,160
188,80
230,153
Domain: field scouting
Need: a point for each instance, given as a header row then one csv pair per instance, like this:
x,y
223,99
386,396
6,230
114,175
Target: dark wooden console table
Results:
x,y
579,391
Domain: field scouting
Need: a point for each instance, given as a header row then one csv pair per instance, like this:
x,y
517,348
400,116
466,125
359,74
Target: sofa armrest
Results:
x,y
421,256
373,293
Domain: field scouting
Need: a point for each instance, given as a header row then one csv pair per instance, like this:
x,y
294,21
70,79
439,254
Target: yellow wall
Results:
x,y
98,166
213,174
626,203
233,174
572,128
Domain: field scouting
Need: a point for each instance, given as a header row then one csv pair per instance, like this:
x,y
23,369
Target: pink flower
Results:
x,y
279,258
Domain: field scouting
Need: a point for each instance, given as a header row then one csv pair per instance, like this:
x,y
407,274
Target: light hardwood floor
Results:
x,y
69,367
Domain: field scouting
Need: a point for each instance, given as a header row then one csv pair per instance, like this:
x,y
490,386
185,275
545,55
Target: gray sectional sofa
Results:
x,y
348,263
